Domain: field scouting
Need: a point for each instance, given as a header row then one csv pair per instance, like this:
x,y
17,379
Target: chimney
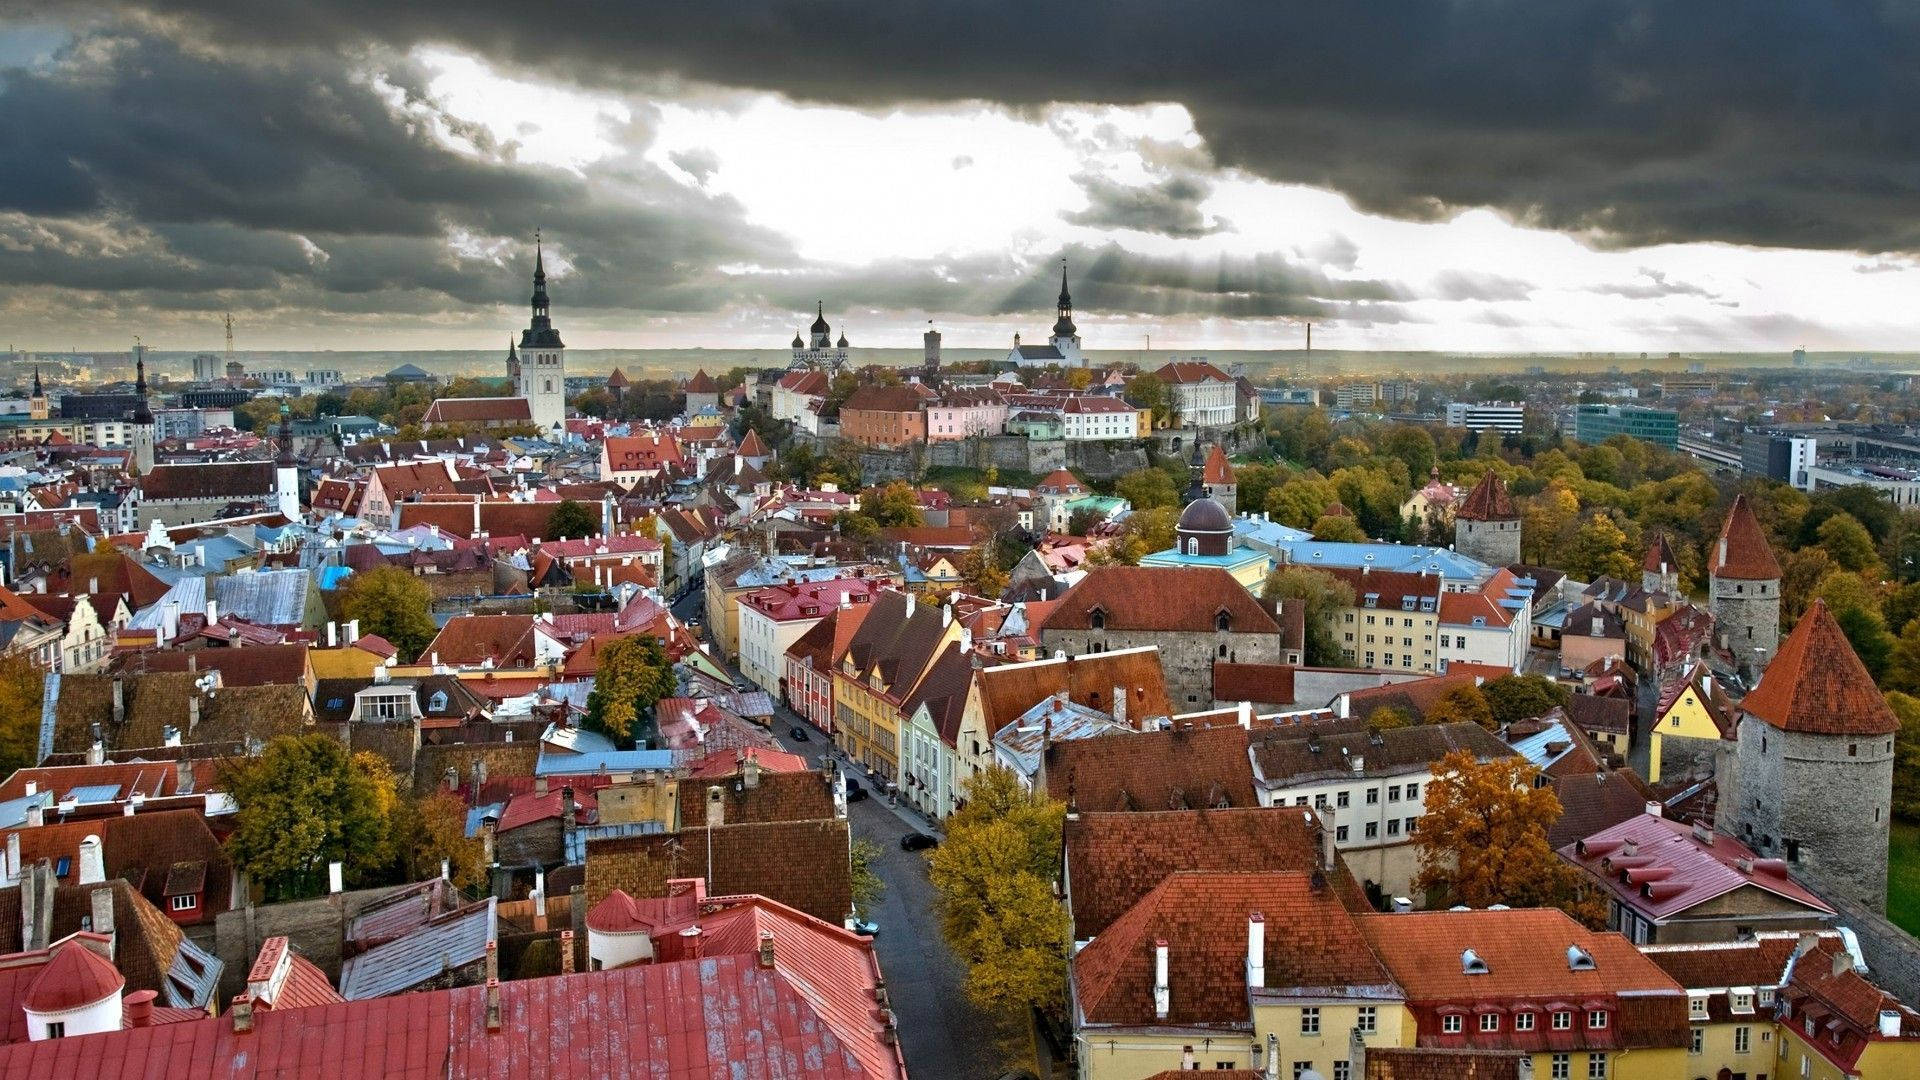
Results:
x,y
766,948
335,884
36,815
1187,1063
1809,941
1842,962
183,776
1256,951
119,703
492,953
1654,809
750,772
493,1005
1889,1023
93,866
716,807
213,611
193,712
1723,552
333,635
693,942
353,631
909,605
139,1008
566,952
1272,1071
1327,854
1162,995
540,786
242,1013
12,869
102,901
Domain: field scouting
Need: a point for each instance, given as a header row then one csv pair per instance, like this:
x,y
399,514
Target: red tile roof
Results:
x,y
1662,869
702,383
1178,769
1660,556
507,640
1825,989
76,976
153,779
401,482
501,410
826,642
1190,371
283,979
1742,552
1488,501
1264,684
1446,1063
1160,598
643,453
751,446
1310,942
1817,684
1217,469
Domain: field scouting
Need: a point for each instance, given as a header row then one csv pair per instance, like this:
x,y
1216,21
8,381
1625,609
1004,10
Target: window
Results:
x,y
1450,1024
1489,1021
1699,1040
1523,1021
1373,796
1342,1070
1393,793
1742,1040
1373,830
1301,1068
1696,1006
1412,822
1562,1067
1740,1001
1806,1067
1393,826
1098,619
1310,1021
184,903
1413,791
1223,622
1340,834
1596,1067
1369,1020
1193,545
1562,1021
1596,1019
1766,996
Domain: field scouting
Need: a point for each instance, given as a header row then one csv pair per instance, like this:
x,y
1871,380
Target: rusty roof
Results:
x,y
1160,598
1177,769
1488,501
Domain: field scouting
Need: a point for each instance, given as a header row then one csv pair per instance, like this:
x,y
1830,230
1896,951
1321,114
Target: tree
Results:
x,y
993,883
303,803
571,521
1513,698
1483,839
981,573
1413,445
634,673
867,886
1082,521
1462,704
1147,489
1903,665
1867,633
1145,532
1299,502
1389,717
895,506
431,828
1848,542
1321,595
22,693
394,604
1335,528
1600,547
1906,757
1800,578
1902,605
1148,392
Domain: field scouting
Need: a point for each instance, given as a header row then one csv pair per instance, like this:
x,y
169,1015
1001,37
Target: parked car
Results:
x,y
918,841
866,926
854,791
799,734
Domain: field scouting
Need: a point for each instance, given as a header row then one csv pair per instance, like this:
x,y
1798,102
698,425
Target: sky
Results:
x,y
1471,175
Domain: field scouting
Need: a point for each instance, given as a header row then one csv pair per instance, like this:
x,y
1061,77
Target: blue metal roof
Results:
x,y
94,793
615,761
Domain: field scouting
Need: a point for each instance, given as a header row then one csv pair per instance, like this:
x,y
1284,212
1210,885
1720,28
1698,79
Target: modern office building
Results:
x,y
1598,423
1506,417
1787,458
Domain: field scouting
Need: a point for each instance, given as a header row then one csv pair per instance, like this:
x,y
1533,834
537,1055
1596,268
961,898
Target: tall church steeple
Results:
x,y
1063,326
141,422
539,370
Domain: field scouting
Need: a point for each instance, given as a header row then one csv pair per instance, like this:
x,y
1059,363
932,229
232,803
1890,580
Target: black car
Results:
x,y
798,734
918,841
854,791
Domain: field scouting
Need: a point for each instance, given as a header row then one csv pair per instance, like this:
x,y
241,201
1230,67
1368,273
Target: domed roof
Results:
x,y
819,319
75,977
842,343
1063,327
798,343
1205,515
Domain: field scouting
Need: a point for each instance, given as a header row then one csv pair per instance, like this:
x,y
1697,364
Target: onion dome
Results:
x,y
820,319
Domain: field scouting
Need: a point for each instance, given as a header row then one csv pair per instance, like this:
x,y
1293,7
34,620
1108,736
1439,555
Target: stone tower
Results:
x,y
1216,479
543,356
1744,590
1660,571
1813,772
1487,525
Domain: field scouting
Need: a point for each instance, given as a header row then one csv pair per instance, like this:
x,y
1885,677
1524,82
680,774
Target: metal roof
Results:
x,y
269,597
451,941
621,761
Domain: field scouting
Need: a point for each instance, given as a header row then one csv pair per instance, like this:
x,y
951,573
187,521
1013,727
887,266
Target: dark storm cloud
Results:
x,y
1169,207
1783,122
161,176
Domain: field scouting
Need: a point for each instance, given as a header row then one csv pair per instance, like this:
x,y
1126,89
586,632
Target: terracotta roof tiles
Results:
x,y
1177,769
1742,552
1160,598
1816,684
1488,501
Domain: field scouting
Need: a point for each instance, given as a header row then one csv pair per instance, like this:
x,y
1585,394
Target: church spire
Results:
x,y
141,414
37,392
1063,326
286,459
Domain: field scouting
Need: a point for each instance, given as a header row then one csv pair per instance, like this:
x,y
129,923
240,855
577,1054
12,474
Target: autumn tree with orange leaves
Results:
x,y
1483,841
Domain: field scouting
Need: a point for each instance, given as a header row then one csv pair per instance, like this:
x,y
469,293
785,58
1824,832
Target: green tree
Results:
x,y
1147,489
981,573
22,691
993,884
303,803
1462,704
572,521
1413,445
1903,665
634,673
1299,502
1848,542
1321,595
1600,547
1082,521
1868,635
1513,698
1252,483
1338,528
1902,605
868,888
894,506
394,604
1145,532
431,828
1148,392
1906,757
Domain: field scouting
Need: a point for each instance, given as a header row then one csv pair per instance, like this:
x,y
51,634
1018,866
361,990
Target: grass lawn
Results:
x,y
1903,877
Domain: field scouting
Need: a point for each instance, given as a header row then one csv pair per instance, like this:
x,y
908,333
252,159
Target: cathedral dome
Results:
x,y
1205,516
819,320
798,343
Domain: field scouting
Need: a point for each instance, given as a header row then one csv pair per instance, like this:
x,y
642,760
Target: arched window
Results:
x,y
1223,621
1193,545
1098,619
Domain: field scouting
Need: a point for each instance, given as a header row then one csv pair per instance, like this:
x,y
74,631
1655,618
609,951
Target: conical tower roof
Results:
x,y
1742,552
1488,501
1817,684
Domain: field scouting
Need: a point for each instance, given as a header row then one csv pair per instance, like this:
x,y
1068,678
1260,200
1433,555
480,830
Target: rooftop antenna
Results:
x,y
228,320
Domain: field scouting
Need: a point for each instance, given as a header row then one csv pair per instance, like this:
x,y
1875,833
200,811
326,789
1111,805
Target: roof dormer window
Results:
x,y
1471,963
1097,618
1222,621
1579,959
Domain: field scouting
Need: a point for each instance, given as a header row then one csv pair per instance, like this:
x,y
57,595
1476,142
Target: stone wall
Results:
x,y
1496,543
1187,658
316,928
1831,795
1105,460
1892,954
501,759
1746,616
